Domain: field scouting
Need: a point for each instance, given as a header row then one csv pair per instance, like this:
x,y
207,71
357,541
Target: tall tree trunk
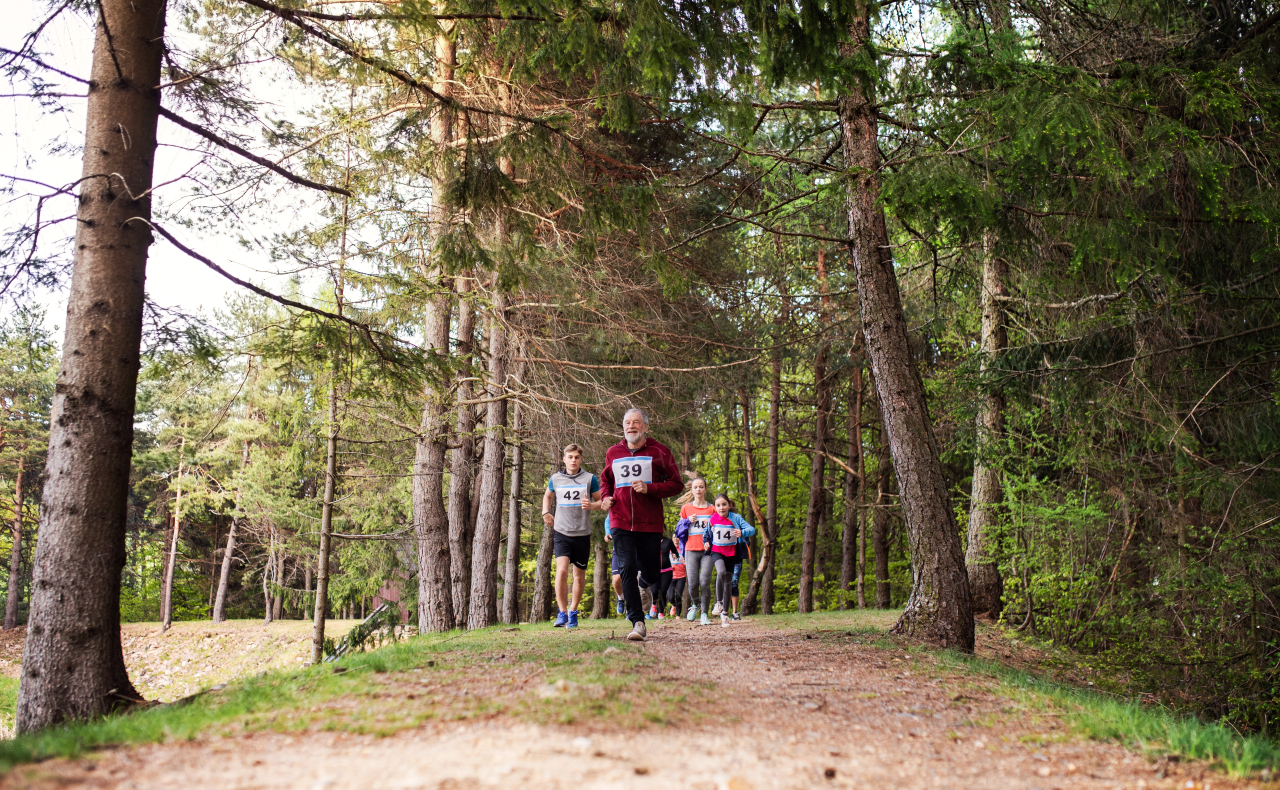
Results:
x,y
749,600
543,590
770,552
511,592
268,571
601,589
73,664
431,521
224,578
985,584
880,526
430,518
277,604
484,550
15,553
853,485
938,610
166,594
462,459
817,469
320,607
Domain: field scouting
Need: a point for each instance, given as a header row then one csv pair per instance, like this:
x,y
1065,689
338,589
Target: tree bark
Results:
x,y
462,460
484,552
15,553
277,602
880,526
166,594
749,600
224,578
543,591
601,589
938,610
770,551
985,583
853,485
431,521
511,592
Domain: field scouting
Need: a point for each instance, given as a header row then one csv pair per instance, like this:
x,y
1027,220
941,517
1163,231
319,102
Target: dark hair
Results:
x,y
727,498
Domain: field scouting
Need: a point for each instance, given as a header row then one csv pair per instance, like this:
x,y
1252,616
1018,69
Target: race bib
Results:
x,y
571,496
722,536
628,470
675,558
700,525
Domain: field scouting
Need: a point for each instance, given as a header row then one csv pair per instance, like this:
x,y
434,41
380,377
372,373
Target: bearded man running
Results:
x,y
638,474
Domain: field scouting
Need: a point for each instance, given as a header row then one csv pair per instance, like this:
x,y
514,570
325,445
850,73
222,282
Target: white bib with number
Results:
x,y
700,525
571,496
629,470
722,535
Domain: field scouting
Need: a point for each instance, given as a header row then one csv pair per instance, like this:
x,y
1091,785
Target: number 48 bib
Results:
x,y
628,470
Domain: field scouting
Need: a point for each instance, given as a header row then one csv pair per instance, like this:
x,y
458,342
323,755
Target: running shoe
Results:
x,y
648,616
573,619
706,620
737,616
717,609
653,610
561,619
693,612
621,606
661,616
638,632
724,620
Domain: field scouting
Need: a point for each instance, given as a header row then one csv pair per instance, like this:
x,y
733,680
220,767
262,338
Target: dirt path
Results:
x,y
791,709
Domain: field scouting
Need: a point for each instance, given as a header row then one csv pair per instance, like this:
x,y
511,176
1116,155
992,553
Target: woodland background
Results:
x,y
514,221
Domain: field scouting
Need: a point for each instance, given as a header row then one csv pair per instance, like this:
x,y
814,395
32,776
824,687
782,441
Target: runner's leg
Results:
x,y
692,567
723,583
579,585
626,545
704,579
562,582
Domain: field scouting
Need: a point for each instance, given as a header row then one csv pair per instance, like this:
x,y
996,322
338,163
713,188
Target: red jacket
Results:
x,y
640,512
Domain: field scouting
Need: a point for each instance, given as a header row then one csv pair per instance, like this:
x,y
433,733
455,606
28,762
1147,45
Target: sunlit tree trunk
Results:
x,y
987,495
228,556
171,560
938,610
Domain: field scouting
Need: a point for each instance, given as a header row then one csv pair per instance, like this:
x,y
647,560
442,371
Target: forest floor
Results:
x,y
826,700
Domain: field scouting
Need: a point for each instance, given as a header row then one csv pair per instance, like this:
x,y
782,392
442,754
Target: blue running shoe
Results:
x,y
573,620
561,619
621,606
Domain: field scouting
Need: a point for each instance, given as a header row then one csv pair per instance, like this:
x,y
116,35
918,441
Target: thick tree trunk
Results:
x,y
938,610
985,584
853,485
431,521
483,610
268,570
73,665
511,592
15,553
462,460
430,518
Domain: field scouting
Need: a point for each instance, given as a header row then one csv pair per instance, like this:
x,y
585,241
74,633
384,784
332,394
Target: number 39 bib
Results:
x,y
628,470
571,496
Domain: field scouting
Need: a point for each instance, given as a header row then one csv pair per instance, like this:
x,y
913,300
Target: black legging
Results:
x,y
664,591
676,593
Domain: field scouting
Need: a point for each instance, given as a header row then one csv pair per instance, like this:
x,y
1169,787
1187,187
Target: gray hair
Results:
x,y
643,416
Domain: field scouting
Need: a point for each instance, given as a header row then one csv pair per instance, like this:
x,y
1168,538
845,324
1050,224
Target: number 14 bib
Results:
x,y
722,535
628,470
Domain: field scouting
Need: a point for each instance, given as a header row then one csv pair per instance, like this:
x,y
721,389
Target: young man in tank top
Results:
x,y
567,503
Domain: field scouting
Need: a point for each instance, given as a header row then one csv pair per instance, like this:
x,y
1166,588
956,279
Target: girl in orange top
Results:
x,y
698,560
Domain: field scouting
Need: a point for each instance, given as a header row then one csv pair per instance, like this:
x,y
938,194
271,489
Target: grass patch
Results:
x,y
1145,728
535,673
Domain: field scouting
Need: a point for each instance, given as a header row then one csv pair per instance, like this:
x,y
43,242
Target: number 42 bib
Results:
x,y
571,496
628,470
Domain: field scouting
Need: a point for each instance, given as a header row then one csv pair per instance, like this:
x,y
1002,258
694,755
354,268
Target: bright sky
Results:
x,y
29,137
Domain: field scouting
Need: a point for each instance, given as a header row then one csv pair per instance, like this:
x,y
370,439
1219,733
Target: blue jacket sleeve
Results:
x,y
741,523
608,533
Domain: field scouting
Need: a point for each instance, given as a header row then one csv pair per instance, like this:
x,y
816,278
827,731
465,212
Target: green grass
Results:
x,y
1145,728
394,688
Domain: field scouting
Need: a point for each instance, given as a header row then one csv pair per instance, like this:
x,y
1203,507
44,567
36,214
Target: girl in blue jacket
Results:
x,y
728,529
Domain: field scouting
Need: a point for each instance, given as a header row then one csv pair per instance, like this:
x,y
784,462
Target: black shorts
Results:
x,y
576,547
